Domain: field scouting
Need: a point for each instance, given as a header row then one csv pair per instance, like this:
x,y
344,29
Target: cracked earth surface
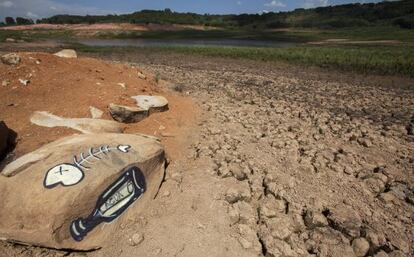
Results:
x,y
281,165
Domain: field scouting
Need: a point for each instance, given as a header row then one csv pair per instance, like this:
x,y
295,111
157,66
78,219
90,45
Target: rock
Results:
x,y
127,114
360,247
375,240
123,85
387,197
375,185
136,239
315,219
10,40
55,193
277,247
364,142
397,253
237,171
325,241
141,75
95,112
24,82
11,59
235,194
248,238
5,83
6,139
410,129
381,254
401,191
84,125
67,53
272,207
151,103
346,220
280,227
242,212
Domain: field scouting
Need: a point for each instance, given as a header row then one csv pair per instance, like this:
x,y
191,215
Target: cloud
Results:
x,y
275,4
315,3
45,8
32,15
239,3
6,4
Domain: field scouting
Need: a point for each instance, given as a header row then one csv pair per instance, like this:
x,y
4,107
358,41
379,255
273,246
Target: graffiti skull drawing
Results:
x,y
64,174
69,174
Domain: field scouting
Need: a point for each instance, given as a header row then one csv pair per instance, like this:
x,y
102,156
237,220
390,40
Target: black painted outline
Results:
x,y
80,227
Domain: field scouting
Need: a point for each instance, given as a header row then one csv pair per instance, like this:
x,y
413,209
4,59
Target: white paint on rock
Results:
x,y
84,125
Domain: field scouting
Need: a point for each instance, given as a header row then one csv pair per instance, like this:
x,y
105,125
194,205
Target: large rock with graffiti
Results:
x,y
62,194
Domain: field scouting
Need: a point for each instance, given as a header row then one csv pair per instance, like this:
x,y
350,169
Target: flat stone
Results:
x,y
151,103
127,114
77,190
84,125
11,59
67,53
95,112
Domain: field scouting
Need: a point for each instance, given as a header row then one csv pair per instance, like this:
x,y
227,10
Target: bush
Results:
x,y
405,23
10,21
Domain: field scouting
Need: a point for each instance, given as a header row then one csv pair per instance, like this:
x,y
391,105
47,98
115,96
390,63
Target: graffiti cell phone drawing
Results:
x,y
129,187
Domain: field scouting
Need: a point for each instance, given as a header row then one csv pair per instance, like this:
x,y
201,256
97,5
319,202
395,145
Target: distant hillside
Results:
x,y
398,13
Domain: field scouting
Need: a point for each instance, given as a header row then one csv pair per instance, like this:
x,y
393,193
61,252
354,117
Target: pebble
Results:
x,y
136,239
360,247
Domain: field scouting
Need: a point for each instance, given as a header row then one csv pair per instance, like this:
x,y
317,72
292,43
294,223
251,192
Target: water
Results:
x,y
185,42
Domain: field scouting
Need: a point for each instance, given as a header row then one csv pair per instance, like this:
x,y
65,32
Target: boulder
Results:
x,y
67,53
127,114
11,59
151,103
4,138
7,140
84,125
74,193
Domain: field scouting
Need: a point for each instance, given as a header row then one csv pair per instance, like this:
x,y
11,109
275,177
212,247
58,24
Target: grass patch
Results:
x,y
289,35
386,60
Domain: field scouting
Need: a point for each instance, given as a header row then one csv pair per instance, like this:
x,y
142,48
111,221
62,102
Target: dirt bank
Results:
x,y
68,87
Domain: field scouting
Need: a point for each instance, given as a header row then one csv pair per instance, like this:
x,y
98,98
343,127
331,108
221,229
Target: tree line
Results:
x,y
397,13
9,21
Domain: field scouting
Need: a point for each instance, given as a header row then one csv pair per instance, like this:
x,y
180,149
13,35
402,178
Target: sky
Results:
x,y
36,9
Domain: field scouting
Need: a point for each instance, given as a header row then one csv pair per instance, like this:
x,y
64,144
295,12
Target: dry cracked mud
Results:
x,y
310,167
281,165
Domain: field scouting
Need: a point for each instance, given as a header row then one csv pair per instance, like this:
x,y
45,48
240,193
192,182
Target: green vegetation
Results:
x,y
390,13
391,20
387,60
290,35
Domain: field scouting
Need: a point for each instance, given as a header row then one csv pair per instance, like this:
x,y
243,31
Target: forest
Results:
x,y
398,13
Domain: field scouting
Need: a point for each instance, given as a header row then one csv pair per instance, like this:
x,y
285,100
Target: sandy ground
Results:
x,y
284,161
